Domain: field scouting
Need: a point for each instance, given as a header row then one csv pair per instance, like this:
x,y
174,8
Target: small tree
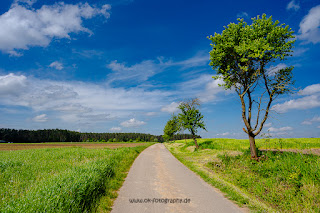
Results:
x,y
171,128
190,117
242,55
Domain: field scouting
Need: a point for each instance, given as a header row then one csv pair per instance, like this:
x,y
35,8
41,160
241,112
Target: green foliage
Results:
x,y
61,180
59,135
190,117
241,52
171,128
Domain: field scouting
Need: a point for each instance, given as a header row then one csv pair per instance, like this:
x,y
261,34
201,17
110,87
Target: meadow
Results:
x,y
91,145
63,179
283,180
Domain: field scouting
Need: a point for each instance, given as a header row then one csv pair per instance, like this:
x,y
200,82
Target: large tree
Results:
x,y
190,117
244,57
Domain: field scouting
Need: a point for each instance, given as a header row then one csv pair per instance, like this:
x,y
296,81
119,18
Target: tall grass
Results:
x,y
59,180
279,182
243,144
290,182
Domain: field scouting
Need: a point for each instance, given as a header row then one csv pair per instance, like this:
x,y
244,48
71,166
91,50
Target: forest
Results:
x,y
60,135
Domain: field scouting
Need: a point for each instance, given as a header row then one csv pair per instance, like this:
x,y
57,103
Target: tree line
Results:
x,y
60,135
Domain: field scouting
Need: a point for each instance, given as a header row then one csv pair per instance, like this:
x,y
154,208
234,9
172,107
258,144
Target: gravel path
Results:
x,y
158,182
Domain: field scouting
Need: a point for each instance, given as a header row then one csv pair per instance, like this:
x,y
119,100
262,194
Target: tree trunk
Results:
x,y
253,149
195,141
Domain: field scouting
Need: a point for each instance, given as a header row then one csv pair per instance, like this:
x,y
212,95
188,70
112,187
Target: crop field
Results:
x,y
92,145
285,179
72,179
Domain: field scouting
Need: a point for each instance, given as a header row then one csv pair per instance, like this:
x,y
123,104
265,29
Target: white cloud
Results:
x,y
242,15
306,123
307,102
144,70
171,108
151,113
22,27
57,65
200,59
310,26
40,118
274,69
12,84
293,5
224,134
28,2
137,73
311,100
132,123
315,119
267,125
318,127
78,101
311,121
282,129
116,129
310,90
203,87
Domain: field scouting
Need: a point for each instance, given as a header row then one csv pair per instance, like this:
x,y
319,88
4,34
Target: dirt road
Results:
x,y
158,183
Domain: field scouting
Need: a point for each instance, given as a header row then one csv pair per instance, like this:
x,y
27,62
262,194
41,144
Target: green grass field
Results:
x,y
64,179
279,182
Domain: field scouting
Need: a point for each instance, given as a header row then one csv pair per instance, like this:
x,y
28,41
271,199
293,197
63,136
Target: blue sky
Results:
x,y
124,65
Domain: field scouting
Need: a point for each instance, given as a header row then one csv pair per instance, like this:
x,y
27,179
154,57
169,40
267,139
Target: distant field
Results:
x,y
63,180
286,179
92,145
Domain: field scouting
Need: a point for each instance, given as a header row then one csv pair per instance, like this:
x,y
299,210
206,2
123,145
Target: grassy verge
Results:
x,y
285,182
62,180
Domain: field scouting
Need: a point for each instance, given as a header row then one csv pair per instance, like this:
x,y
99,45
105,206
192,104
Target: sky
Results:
x,y
125,65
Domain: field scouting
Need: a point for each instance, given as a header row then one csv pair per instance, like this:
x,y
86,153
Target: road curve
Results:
x,y
157,182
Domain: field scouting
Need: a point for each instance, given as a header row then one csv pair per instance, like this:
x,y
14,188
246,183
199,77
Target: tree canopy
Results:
x,y
171,128
190,117
244,56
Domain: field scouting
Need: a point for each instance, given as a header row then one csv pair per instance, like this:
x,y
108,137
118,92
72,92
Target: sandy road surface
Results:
x,y
156,175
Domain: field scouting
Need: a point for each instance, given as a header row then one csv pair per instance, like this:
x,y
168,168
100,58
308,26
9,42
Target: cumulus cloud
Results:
x,y
78,101
23,27
132,123
281,129
310,26
57,65
310,90
171,108
311,121
12,84
293,5
28,2
40,118
116,129
311,100
307,102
